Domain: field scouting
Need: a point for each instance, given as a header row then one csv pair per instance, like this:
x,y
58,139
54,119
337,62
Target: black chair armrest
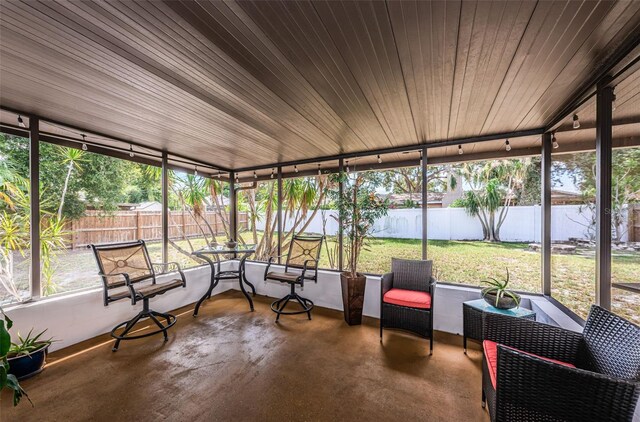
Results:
x,y
533,337
269,262
166,270
386,284
127,279
432,287
165,267
304,269
127,282
530,388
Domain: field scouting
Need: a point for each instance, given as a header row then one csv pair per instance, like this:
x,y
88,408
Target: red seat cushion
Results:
x,y
410,298
491,355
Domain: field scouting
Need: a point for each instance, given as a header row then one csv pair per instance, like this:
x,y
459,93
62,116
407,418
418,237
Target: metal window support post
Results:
x,y
604,106
340,231
165,207
34,204
425,192
545,197
233,208
279,215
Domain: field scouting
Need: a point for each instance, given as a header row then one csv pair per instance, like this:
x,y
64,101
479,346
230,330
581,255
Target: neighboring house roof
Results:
x,y
559,196
401,198
149,206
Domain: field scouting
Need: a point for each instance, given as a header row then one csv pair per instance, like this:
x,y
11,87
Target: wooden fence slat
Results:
x,y
122,226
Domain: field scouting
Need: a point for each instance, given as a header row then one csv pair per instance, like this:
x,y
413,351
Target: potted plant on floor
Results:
x,y
8,380
27,356
498,295
358,208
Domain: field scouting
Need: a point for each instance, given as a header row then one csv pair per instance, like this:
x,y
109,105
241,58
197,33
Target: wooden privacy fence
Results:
x,y
123,226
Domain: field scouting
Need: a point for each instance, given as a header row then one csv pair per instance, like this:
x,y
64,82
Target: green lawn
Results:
x,y
466,262
469,262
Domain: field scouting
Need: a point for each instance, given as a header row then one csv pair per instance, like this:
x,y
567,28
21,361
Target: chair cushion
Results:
x,y
148,290
491,355
159,288
409,298
284,277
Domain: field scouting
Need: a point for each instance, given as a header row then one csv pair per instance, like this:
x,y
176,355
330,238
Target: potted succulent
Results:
x,y
8,380
27,357
498,295
358,208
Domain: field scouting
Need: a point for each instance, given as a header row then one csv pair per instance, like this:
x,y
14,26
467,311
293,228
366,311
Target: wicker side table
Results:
x,y
472,318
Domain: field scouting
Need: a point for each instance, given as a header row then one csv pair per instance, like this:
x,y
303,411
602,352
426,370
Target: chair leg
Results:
x,y
145,313
431,343
159,324
161,315
133,321
302,301
281,308
484,399
279,305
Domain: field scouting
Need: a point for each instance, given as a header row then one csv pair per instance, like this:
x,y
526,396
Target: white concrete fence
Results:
x,y
521,225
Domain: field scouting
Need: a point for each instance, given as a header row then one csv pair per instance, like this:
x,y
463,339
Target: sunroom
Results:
x,y
308,211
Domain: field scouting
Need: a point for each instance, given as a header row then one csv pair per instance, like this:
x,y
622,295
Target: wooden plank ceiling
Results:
x,y
249,83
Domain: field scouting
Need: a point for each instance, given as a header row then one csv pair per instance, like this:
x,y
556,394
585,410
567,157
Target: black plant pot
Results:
x,y
505,302
353,297
25,366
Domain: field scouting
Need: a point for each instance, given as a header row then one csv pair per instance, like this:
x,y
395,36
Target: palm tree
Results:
x,y
493,189
72,158
15,236
302,198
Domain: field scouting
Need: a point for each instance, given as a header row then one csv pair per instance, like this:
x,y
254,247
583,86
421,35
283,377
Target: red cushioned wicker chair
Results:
x,y
537,372
407,298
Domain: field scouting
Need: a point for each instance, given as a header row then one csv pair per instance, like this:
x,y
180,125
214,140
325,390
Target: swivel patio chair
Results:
x,y
536,372
127,272
303,256
407,298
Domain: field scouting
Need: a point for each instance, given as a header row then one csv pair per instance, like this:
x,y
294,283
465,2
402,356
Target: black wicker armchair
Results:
x,y
407,298
537,372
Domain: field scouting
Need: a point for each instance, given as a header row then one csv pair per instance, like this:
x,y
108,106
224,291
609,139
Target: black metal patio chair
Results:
x,y
537,372
407,298
303,257
127,272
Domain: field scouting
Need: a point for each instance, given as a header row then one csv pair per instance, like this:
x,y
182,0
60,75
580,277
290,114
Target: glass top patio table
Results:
x,y
224,249
211,254
482,305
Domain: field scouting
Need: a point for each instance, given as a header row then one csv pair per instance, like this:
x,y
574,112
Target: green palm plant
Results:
x,y
358,209
493,187
71,158
499,289
52,239
15,235
28,344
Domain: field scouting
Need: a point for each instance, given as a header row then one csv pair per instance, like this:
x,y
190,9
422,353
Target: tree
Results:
x,y
15,235
302,199
408,180
358,209
494,187
625,184
72,158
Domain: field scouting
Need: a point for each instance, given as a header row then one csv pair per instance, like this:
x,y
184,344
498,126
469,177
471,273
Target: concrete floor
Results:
x,y
229,364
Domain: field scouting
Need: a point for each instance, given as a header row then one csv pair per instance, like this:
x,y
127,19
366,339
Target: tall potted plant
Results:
x,y
358,208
